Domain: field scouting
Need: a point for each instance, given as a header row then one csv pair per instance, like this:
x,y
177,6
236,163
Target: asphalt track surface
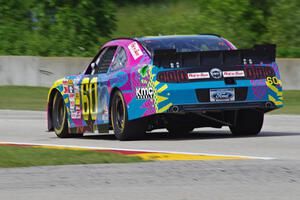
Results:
x,y
278,178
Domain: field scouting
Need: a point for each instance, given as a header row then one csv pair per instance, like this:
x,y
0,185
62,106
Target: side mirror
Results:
x,y
93,65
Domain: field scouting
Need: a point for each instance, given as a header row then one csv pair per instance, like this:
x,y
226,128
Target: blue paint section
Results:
x,y
135,108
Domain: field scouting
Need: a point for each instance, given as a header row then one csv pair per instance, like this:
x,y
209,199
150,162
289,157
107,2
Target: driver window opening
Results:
x,y
104,61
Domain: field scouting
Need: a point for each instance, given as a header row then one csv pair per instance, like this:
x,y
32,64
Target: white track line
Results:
x,y
142,150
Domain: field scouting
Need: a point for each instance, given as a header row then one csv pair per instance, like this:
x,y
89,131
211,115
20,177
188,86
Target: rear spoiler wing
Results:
x,y
258,54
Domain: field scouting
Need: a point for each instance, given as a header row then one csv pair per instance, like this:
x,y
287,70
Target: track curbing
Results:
x,y
154,155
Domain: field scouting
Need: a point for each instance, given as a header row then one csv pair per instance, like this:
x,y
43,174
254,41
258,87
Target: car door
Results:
x,y
93,90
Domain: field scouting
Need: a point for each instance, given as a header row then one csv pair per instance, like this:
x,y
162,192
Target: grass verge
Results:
x,y
35,98
23,97
11,156
291,100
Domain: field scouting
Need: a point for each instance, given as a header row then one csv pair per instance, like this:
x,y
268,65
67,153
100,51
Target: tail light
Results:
x,y
174,76
258,72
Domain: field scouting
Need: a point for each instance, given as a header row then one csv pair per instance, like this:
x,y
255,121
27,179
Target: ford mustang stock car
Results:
x,y
134,85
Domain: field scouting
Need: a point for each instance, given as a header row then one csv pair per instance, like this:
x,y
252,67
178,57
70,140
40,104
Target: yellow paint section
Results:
x,y
62,148
274,89
56,83
156,83
161,98
163,88
163,109
271,98
171,156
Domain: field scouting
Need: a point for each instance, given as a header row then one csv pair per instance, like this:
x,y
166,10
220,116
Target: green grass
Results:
x,y
23,97
11,156
291,100
35,98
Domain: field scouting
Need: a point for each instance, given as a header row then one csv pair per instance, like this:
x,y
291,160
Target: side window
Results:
x,y
120,60
104,60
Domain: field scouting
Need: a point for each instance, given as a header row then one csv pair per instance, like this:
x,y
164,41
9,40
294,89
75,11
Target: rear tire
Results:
x,y
124,129
248,123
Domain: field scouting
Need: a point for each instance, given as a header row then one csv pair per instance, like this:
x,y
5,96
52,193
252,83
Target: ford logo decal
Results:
x,y
222,95
216,73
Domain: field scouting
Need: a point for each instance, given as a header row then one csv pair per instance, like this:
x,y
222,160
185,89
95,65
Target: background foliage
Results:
x,y
79,27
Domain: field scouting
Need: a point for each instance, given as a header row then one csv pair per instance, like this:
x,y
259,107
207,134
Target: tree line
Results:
x,y
79,27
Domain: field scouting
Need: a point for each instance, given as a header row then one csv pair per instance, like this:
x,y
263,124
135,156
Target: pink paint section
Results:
x,y
232,47
125,43
276,69
149,105
128,96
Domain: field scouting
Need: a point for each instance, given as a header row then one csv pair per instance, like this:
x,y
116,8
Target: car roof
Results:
x,y
161,37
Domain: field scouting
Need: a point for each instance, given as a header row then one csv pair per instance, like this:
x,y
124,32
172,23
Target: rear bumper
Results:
x,y
264,105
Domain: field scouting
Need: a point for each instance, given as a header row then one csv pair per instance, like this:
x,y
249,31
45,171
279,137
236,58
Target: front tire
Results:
x,y
248,123
59,116
124,129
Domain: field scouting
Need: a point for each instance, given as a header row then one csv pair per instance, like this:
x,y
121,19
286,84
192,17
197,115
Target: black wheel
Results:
x,y
124,129
179,130
248,123
59,116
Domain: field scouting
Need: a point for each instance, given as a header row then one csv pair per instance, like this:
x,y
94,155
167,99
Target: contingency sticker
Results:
x,y
76,115
239,73
135,50
198,75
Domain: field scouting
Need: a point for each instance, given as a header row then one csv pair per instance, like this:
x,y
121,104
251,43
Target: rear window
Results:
x,y
185,43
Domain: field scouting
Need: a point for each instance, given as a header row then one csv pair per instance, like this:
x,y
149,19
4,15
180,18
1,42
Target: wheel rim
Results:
x,y
120,113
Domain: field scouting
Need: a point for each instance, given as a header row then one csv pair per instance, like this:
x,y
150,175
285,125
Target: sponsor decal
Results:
x,y
105,110
72,105
135,50
222,94
72,101
216,73
71,96
105,113
239,73
66,89
71,89
76,81
76,88
144,93
77,108
77,98
65,82
76,115
198,75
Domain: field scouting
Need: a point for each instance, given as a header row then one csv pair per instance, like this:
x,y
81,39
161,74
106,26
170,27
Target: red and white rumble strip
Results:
x,y
144,154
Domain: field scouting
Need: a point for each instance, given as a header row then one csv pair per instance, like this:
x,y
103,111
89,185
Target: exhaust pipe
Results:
x,y
268,105
175,109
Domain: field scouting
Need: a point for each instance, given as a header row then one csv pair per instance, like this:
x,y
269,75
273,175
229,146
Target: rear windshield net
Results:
x,y
186,44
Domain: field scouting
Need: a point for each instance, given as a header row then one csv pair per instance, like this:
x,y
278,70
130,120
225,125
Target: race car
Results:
x,y
135,85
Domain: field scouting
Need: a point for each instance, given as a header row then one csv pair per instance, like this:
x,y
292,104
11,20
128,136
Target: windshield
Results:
x,y
185,43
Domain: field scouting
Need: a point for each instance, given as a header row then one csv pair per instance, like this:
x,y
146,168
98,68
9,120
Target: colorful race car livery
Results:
x,y
174,82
